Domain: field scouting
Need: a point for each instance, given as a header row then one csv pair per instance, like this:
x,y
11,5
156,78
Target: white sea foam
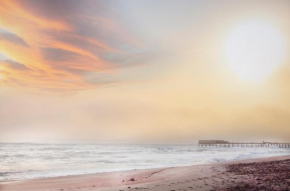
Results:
x,y
22,161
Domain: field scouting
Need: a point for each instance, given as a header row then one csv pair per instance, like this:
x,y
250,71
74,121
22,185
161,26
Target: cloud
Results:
x,y
58,55
13,65
62,42
13,39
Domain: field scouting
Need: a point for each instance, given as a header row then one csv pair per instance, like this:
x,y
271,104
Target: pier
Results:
x,y
222,143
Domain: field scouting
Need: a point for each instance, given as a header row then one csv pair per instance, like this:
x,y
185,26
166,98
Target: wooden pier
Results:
x,y
222,143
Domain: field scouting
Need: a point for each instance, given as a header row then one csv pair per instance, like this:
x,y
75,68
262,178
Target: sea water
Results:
x,y
24,161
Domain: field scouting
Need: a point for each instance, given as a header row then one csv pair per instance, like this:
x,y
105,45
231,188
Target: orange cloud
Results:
x,y
13,11
60,47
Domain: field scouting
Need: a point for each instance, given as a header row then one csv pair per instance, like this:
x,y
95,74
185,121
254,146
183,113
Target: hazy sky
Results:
x,y
144,71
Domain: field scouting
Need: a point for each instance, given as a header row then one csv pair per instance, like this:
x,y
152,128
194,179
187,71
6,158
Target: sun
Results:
x,y
254,49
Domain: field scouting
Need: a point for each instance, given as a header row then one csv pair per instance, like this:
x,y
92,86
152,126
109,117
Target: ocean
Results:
x,y
24,161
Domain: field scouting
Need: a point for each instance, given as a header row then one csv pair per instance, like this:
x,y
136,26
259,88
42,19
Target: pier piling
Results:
x,y
222,143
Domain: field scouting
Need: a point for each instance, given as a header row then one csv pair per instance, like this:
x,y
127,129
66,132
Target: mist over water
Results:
x,y
23,161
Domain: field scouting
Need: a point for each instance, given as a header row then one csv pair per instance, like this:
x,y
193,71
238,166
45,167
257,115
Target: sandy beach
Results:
x,y
271,173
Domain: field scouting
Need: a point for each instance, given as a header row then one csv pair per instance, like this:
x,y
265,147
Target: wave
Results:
x,y
24,161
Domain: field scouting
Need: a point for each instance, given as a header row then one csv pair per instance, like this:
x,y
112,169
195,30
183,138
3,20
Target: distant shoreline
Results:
x,y
195,177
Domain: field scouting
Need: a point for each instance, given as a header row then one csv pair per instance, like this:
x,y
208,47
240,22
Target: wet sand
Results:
x,y
271,173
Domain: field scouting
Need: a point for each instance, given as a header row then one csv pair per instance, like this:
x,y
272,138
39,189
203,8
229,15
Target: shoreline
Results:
x,y
194,177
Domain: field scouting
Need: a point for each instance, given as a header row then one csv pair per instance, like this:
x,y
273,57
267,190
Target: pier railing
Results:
x,y
222,143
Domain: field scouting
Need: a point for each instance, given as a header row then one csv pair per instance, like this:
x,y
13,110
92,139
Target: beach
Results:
x,y
271,173
107,95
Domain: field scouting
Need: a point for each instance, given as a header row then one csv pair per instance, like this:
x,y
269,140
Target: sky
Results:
x,y
144,71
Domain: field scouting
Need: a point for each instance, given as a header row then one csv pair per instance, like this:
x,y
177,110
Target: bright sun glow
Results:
x,y
254,50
